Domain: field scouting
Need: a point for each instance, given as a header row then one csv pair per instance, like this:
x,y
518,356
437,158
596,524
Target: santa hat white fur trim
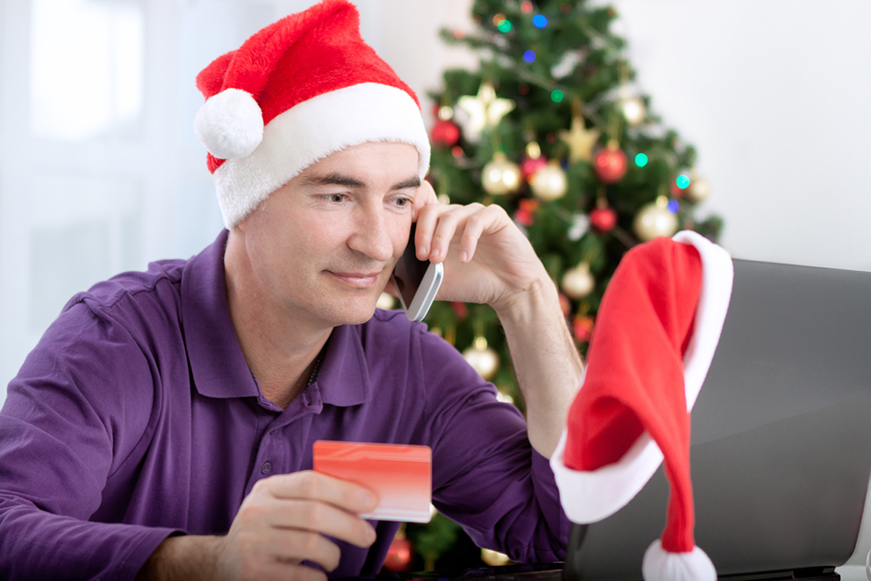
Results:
x,y
660,565
230,124
592,496
312,130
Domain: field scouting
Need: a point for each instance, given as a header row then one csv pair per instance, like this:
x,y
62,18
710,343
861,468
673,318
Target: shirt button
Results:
x,y
266,468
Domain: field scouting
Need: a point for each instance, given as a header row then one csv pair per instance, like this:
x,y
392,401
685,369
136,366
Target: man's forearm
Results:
x,y
546,361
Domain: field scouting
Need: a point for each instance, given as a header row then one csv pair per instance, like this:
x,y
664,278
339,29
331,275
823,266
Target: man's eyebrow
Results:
x,y
337,179
413,182
334,179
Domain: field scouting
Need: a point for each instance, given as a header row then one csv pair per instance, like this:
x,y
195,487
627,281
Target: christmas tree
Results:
x,y
553,128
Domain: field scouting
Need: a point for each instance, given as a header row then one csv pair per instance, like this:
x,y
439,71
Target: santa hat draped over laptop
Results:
x,y
295,92
656,332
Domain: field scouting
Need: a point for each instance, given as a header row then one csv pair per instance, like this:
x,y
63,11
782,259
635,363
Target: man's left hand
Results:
x,y
487,258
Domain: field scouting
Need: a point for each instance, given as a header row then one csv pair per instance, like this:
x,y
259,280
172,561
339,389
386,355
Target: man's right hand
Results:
x,y
280,524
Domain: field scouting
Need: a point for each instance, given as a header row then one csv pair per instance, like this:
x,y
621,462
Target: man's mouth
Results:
x,y
358,279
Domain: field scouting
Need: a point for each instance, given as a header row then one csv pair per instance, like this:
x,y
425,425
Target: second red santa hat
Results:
x,y
656,332
295,92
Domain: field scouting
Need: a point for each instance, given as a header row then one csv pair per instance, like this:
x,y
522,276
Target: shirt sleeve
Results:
x,y
78,406
486,475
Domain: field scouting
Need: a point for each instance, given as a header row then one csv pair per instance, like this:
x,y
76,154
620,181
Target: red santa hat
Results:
x,y
656,332
297,91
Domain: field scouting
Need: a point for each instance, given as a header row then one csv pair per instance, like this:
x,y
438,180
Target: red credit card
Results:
x,y
401,475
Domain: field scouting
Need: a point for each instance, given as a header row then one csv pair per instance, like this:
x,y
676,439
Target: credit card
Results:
x,y
401,475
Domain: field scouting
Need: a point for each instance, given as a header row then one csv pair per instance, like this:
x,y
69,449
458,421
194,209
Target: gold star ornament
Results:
x,y
580,140
485,110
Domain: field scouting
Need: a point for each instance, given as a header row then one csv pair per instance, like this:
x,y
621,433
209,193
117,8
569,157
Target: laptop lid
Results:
x,y
781,436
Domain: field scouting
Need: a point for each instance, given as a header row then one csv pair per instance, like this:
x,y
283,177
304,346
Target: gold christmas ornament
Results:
x,y
633,109
485,110
698,191
549,183
578,282
504,397
386,302
482,358
500,176
580,140
494,558
654,219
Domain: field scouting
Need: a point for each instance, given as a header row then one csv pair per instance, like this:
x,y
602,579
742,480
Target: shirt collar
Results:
x,y
343,380
218,367
217,364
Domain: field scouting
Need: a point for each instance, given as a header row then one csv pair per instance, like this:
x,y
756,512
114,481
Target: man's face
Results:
x,y
322,247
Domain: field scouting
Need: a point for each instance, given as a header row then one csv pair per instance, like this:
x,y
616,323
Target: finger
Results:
x,y
471,234
427,219
444,232
488,218
293,546
311,485
320,517
457,219
424,196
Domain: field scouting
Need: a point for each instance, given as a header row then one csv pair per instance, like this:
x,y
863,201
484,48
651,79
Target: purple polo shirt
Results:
x,y
136,416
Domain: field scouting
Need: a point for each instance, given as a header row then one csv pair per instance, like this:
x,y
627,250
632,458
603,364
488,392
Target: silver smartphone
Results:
x,y
416,281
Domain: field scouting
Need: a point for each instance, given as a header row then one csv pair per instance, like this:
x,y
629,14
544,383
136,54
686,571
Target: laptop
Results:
x,y
781,437
781,441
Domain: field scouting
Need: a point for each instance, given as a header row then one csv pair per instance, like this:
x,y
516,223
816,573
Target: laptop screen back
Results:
x,y
781,434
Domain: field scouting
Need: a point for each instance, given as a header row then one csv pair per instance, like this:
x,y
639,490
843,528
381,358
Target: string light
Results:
x,y
682,181
526,7
556,96
641,159
673,206
504,26
539,21
529,56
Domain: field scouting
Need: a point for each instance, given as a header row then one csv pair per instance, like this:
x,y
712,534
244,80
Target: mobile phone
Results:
x,y
416,281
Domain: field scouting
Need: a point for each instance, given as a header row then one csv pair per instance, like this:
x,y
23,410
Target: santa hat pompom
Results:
x,y
662,565
657,329
230,124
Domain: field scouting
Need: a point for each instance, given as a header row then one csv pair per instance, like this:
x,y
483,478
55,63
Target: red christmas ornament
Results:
x,y
525,214
460,309
398,555
565,304
603,219
445,133
610,164
531,165
582,327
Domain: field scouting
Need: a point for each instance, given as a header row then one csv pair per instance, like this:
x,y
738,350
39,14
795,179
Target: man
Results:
x,y
163,426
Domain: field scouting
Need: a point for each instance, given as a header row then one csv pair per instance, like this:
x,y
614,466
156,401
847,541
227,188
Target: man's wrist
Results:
x,y
528,304
182,557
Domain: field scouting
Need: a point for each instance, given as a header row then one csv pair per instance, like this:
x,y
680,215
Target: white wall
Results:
x,y
776,96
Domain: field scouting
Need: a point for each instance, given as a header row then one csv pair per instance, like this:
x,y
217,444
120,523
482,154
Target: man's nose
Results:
x,y
372,237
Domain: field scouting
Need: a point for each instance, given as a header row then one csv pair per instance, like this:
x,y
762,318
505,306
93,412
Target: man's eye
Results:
x,y
336,198
402,202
